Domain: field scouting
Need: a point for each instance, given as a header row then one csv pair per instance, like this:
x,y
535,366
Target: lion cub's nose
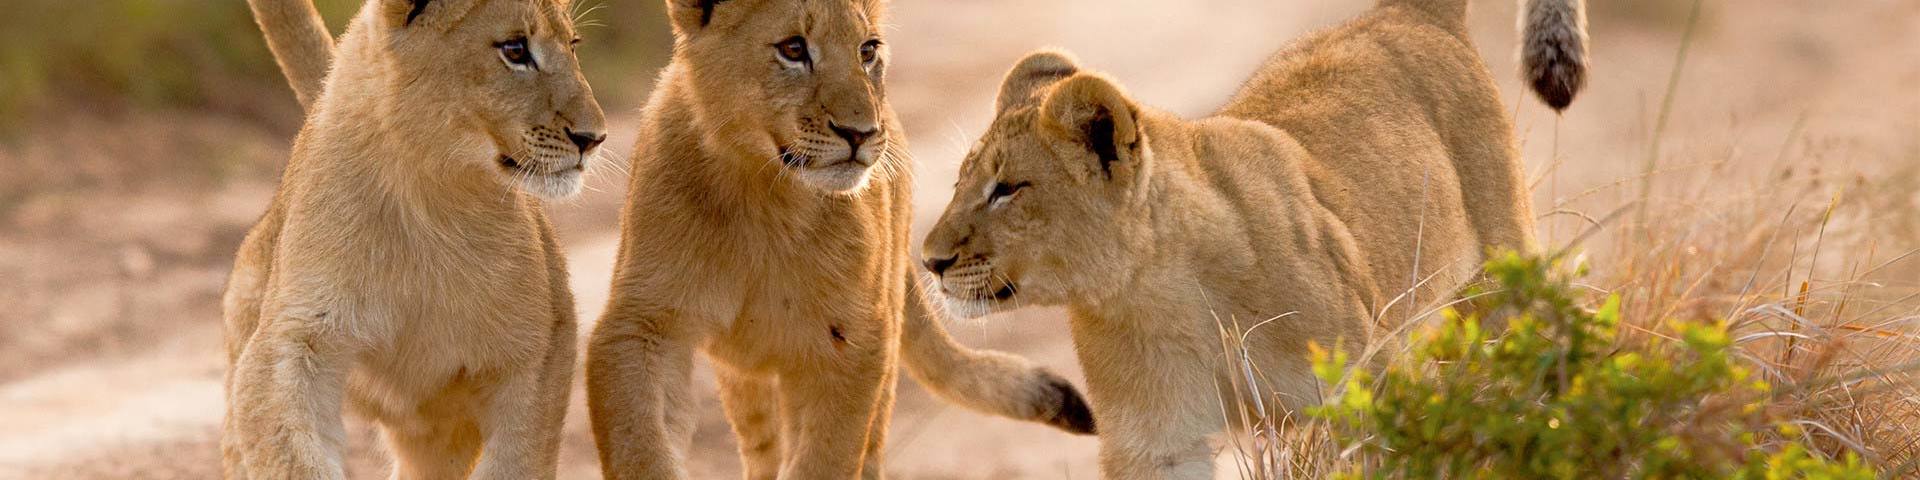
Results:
x,y
855,137
940,265
586,140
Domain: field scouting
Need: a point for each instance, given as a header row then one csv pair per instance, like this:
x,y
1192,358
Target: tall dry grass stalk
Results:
x,y
1266,445
1666,110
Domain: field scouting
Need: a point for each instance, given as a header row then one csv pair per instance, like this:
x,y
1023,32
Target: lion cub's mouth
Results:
x,y
972,301
516,166
795,159
1005,292
992,291
841,176
544,182
792,159
510,163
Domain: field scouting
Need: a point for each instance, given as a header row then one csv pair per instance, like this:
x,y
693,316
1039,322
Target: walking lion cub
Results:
x,y
767,228
1357,177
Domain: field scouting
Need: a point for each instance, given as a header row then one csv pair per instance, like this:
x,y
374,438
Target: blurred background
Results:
x,y
139,139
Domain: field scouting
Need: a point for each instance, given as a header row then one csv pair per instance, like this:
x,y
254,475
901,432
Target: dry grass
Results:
x,y
1811,255
1816,273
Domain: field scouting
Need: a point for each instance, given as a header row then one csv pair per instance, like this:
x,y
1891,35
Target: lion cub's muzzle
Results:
x,y
859,147
553,161
839,163
971,279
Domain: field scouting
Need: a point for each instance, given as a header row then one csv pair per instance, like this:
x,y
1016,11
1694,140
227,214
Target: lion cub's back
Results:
x,y
1385,104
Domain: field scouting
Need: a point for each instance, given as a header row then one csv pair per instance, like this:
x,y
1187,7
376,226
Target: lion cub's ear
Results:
x,y
1034,74
1090,110
410,13
691,15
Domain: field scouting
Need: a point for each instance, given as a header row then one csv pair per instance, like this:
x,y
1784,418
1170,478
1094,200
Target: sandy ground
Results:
x,y
110,363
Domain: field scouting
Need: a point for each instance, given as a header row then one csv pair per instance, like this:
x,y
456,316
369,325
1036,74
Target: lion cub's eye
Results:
x,y
869,51
515,52
1002,192
793,49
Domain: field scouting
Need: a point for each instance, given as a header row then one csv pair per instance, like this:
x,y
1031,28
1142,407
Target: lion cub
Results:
x,y
1358,177
403,268
767,228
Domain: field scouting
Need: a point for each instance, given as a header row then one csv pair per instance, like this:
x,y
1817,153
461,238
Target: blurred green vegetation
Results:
x,y
62,57
1556,395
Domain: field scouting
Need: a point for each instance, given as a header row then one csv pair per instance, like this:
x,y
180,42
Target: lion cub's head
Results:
x,y
793,82
1049,205
497,75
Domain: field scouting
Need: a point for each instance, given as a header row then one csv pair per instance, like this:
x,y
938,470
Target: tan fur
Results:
x,y
756,234
1357,179
401,269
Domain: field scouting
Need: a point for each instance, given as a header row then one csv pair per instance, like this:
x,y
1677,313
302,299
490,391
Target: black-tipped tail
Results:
x,y
1072,415
1553,49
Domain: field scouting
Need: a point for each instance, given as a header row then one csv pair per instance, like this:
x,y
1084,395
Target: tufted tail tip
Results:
x,y
1556,83
1553,49
1070,412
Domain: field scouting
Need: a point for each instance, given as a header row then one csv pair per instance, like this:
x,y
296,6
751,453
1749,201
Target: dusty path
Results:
x,y
154,412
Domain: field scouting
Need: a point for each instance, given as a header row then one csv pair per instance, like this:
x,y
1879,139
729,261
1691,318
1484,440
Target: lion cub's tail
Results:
x,y
984,380
300,43
1553,49
1553,42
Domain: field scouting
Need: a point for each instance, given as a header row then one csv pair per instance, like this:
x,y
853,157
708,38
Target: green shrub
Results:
x,y
1557,396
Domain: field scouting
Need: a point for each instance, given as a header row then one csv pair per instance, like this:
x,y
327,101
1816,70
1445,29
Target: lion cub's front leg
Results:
x,y
814,417
288,386
833,406
522,422
753,408
1154,398
639,398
